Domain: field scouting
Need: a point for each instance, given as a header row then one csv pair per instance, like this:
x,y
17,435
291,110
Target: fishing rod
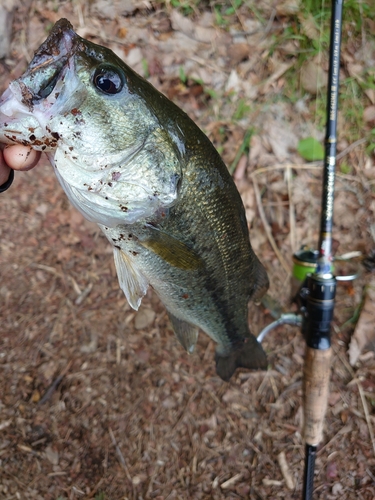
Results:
x,y
313,268
321,285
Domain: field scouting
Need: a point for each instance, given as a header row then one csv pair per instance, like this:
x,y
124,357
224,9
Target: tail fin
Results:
x,y
250,355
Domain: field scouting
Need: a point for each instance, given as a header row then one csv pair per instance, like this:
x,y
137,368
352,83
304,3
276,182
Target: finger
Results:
x,y
4,170
21,157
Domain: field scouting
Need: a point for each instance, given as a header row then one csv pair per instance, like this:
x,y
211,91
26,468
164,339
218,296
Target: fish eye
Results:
x,y
108,80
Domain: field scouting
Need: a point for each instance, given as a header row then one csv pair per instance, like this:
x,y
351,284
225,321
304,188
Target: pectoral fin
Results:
x,y
186,333
132,282
172,250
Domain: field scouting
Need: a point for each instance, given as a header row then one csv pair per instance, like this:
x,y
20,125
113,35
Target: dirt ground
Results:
x,y
98,401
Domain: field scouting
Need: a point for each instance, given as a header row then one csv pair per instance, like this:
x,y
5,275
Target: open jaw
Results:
x,y
30,101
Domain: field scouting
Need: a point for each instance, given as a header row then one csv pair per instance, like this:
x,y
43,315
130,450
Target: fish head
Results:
x,y
87,110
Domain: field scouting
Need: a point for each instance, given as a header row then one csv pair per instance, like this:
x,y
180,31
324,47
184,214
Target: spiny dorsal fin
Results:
x,y
172,250
132,282
186,333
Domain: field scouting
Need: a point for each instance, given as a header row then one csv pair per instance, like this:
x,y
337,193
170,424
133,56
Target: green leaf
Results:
x,y
183,76
310,149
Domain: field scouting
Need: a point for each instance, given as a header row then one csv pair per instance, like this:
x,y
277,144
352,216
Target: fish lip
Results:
x,y
60,43
55,52
53,59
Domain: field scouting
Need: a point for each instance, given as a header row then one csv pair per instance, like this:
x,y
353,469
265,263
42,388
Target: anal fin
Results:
x,y
132,282
186,333
250,355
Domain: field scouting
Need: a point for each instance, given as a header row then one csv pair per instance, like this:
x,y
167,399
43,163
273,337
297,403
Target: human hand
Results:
x,y
16,157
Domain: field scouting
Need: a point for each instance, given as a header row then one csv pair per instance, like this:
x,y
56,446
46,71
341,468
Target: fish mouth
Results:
x,y
28,103
48,63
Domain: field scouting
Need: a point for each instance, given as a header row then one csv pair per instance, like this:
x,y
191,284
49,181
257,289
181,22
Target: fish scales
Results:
x,y
132,161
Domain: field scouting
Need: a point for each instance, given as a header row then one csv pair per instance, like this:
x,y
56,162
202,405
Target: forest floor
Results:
x,y
99,401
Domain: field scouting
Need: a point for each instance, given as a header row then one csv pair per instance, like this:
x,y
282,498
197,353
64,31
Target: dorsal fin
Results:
x,y
132,282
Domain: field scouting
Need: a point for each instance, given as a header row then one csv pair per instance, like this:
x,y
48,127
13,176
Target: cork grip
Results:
x,y
315,392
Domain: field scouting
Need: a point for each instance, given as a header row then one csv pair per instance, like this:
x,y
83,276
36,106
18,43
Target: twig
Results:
x,y
296,166
281,458
49,269
351,147
96,487
83,295
316,165
51,389
292,219
267,227
283,68
183,412
119,454
241,150
230,482
270,22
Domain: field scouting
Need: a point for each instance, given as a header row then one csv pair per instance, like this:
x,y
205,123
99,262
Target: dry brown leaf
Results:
x,y
233,82
369,114
364,333
278,70
182,23
52,455
288,7
371,95
144,318
308,27
237,52
346,209
281,138
205,34
355,70
313,77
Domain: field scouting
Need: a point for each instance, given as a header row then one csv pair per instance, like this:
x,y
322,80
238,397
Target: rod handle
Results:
x,y
316,375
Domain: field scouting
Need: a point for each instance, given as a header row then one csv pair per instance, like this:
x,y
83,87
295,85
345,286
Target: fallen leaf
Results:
x,y
369,114
237,52
308,27
355,70
233,82
35,397
205,34
52,455
144,318
313,77
287,8
182,23
281,138
371,95
310,149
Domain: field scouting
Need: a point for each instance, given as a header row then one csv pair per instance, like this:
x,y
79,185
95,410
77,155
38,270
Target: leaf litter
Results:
x,y
96,398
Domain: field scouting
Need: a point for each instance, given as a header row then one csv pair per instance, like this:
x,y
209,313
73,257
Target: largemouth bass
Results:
x,y
133,162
